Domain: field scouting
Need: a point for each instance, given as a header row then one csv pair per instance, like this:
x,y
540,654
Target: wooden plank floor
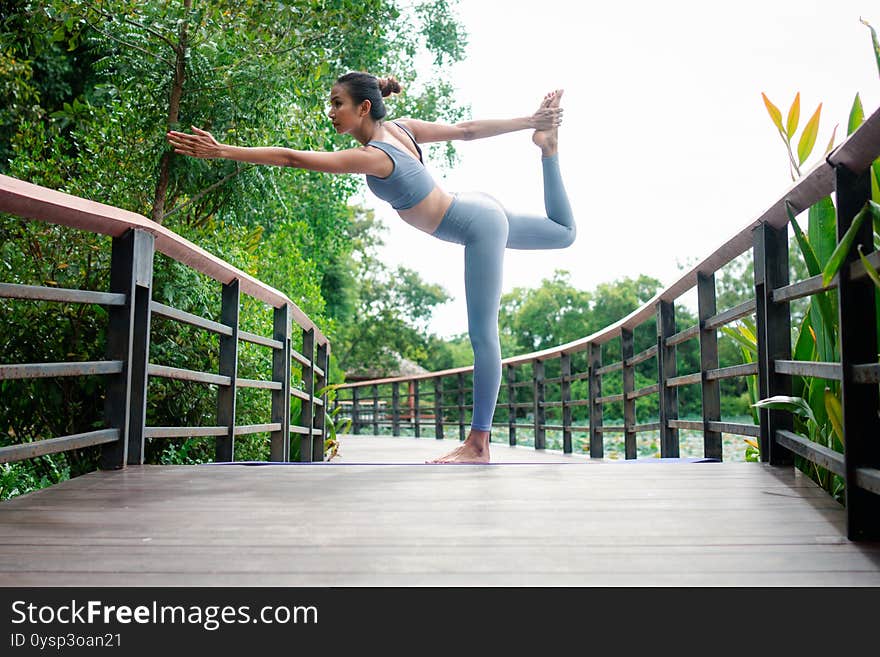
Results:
x,y
379,516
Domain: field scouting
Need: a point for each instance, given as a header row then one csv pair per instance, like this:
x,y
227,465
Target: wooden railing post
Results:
x,y
320,430
355,417
461,421
627,351
438,411
565,394
307,414
375,409
711,390
511,408
128,340
538,372
597,449
279,448
229,310
416,409
667,368
773,323
858,346
395,408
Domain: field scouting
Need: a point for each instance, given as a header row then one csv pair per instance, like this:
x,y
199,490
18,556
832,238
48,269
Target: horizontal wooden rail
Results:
x,y
735,428
253,338
181,374
643,356
49,370
818,454
747,369
183,432
608,369
686,424
684,380
55,445
246,429
162,310
645,427
731,315
804,288
830,371
257,383
299,394
683,336
869,479
644,392
40,293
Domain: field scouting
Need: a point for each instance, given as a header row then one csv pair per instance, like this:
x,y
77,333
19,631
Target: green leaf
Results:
x,y
805,344
822,229
874,40
774,112
856,116
796,405
741,337
804,350
875,187
794,115
806,250
808,136
872,273
822,242
840,253
835,413
816,400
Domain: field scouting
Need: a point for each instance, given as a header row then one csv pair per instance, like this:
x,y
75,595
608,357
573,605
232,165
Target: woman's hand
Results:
x,y
546,118
201,144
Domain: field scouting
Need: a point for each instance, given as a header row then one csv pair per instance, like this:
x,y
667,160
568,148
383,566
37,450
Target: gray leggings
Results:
x,y
485,228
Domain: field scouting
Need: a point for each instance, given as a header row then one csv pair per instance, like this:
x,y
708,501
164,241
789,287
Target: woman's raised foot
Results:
x,y
548,140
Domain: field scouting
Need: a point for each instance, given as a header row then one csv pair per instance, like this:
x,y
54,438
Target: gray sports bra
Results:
x,y
409,181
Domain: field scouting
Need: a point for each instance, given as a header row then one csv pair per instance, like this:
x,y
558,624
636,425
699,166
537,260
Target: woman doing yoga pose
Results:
x,y
392,161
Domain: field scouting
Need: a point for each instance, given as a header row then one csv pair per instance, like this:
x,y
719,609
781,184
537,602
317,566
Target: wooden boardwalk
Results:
x,y
379,516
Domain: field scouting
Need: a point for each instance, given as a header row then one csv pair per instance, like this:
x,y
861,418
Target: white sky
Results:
x,y
666,149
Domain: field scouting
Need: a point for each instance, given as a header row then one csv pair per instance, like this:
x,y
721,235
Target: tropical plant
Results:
x,y
814,402
334,426
744,335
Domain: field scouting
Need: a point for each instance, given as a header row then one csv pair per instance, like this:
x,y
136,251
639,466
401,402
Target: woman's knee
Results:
x,y
484,341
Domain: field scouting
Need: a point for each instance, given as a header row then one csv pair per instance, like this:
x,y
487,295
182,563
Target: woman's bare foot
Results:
x,y
473,450
548,140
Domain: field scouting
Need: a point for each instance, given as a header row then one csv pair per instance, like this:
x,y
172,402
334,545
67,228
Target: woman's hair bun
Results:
x,y
388,85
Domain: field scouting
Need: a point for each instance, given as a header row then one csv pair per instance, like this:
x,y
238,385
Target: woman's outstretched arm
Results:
x,y
202,144
426,131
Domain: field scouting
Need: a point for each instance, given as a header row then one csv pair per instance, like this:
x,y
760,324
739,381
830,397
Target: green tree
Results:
x,y
391,314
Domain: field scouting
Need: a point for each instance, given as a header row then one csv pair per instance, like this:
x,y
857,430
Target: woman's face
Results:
x,y
343,112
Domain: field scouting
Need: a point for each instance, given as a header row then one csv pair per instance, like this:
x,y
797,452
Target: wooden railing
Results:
x,y
845,172
135,240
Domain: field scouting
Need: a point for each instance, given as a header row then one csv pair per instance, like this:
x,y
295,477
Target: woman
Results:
x,y
390,157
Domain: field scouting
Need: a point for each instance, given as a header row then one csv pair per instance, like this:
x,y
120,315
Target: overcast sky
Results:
x,y
666,149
